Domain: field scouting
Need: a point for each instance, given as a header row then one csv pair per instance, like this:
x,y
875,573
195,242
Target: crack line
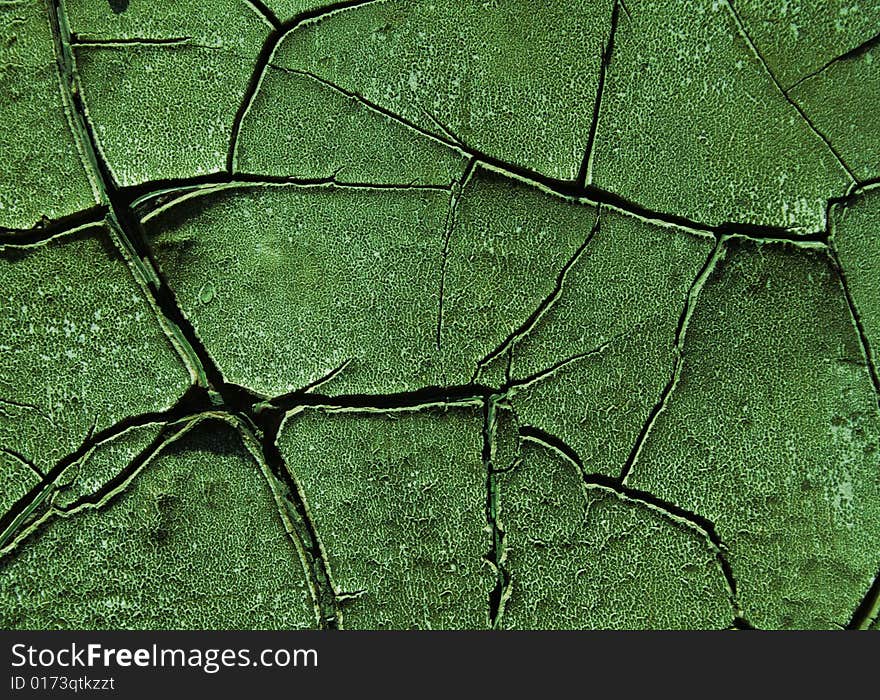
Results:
x,y
854,53
585,173
546,304
678,357
456,195
676,514
264,59
763,61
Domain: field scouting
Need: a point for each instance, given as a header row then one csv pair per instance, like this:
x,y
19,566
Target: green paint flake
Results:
x,y
613,325
162,112
76,332
286,284
856,235
296,126
195,542
772,434
842,101
399,314
494,76
42,173
799,37
692,124
585,558
398,501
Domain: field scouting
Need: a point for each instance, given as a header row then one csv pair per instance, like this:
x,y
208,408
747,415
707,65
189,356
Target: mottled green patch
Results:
x,y
585,558
76,329
494,76
307,279
771,433
398,501
692,124
42,173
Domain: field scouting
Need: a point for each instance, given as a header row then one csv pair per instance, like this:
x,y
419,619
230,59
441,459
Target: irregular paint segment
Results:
x,y
195,542
772,434
43,174
398,501
82,347
286,284
692,124
517,85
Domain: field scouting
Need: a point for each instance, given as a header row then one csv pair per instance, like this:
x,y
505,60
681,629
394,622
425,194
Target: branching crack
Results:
x,y
281,29
678,356
869,608
748,39
545,305
850,55
195,402
677,514
47,230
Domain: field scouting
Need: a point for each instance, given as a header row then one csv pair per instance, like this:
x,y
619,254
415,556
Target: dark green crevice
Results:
x,y
281,29
433,395
868,609
674,512
49,228
585,171
194,402
266,427
495,555
265,12
76,40
524,328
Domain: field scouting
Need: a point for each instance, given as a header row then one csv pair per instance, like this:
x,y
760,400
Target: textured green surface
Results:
x,y
783,458
405,314
583,558
37,150
185,551
398,501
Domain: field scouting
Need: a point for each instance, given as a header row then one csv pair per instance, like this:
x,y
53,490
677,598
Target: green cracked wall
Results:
x,y
404,314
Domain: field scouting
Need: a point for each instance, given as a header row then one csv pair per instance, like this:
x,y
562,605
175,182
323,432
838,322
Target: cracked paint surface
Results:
x,y
391,314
